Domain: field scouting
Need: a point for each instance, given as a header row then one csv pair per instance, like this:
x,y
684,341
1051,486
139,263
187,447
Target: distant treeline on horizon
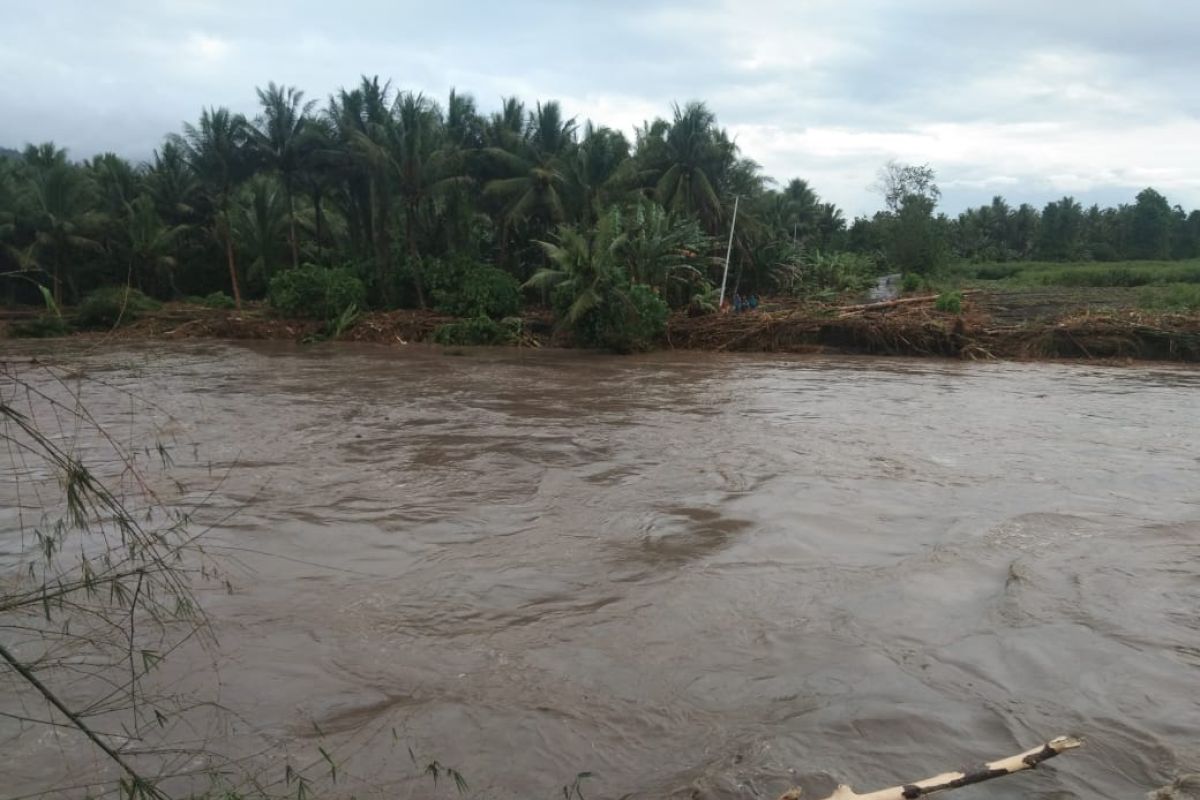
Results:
x,y
395,186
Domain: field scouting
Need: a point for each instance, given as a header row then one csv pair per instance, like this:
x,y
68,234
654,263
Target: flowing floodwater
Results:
x,y
692,575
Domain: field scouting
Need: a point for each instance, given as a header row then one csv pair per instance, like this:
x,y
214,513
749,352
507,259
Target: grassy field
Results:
x,y
1153,285
1090,273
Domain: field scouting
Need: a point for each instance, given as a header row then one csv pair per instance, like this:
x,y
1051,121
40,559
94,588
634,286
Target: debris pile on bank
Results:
x,y
912,326
907,326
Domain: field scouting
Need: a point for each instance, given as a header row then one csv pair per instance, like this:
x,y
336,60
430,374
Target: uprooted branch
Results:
x,y
954,780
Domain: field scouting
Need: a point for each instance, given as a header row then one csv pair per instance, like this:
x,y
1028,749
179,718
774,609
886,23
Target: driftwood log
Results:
x,y
846,311
954,780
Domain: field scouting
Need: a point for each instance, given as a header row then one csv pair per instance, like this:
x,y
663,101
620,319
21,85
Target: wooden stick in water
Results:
x,y
954,780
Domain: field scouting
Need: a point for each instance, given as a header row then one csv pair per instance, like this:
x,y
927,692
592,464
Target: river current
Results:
x,y
692,575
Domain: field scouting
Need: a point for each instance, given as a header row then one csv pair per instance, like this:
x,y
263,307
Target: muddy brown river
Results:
x,y
692,575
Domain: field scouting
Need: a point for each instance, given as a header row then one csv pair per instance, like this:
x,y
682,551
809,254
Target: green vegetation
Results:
x,y
45,326
471,289
949,302
315,292
829,274
481,330
111,306
217,299
592,293
631,320
1042,273
439,204
1173,297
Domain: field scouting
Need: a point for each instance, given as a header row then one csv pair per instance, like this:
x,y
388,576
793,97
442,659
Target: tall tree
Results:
x,y
369,128
692,153
916,243
216,151
415,157
896,181
1061,230
1152,222
150,244
279,138
60,207
593,171
530,172
260,228
800,211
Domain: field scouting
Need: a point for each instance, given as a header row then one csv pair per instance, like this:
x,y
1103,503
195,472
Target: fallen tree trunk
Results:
x,y
954,780
901,301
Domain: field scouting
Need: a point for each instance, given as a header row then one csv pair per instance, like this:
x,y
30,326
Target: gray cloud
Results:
x,y
1029,99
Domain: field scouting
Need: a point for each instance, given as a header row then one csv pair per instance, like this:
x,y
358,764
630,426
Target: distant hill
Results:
x,y
6,152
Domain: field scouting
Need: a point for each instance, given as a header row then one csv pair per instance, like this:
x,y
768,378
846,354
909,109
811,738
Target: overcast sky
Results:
x,y
1033,100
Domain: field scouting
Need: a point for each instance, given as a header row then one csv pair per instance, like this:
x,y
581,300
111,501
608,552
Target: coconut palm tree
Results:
x,y
594,171
279,139
414,154
584,265
365,126
800,210
216,150
151,244
261,227
506,129
320,174
346,118
830,222
463,137
692,155
60,207
171,183
12,258
664,250
529,177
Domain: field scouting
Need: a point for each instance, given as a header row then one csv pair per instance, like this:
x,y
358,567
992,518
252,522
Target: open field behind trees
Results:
x,y
1079,273
1019,290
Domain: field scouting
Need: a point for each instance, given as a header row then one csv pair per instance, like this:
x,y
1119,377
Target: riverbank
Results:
x,y
989,325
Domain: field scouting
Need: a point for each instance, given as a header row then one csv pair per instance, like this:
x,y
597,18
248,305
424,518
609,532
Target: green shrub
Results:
x,y
112,305
1096,276
629,321
912,282
995,272
217,300
468,289
949,302
1175,297
479,330
314,292
46,326
816,273
1103,251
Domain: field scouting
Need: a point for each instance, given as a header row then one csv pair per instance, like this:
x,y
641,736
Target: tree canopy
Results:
x,y
400,189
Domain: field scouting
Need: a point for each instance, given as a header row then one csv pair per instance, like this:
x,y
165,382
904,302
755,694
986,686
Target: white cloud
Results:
x,y
205,47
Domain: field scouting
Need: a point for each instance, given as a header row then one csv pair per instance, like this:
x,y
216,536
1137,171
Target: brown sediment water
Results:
x,y
693,575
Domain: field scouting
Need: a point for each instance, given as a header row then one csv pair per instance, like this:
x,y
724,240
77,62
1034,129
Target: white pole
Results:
x,y
728,251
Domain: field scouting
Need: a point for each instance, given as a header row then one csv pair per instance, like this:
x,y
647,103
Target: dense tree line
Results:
x,y
413,196
402,191
909,235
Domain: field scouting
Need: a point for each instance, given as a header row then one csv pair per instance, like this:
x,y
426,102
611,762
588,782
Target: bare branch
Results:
x,y
956,780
